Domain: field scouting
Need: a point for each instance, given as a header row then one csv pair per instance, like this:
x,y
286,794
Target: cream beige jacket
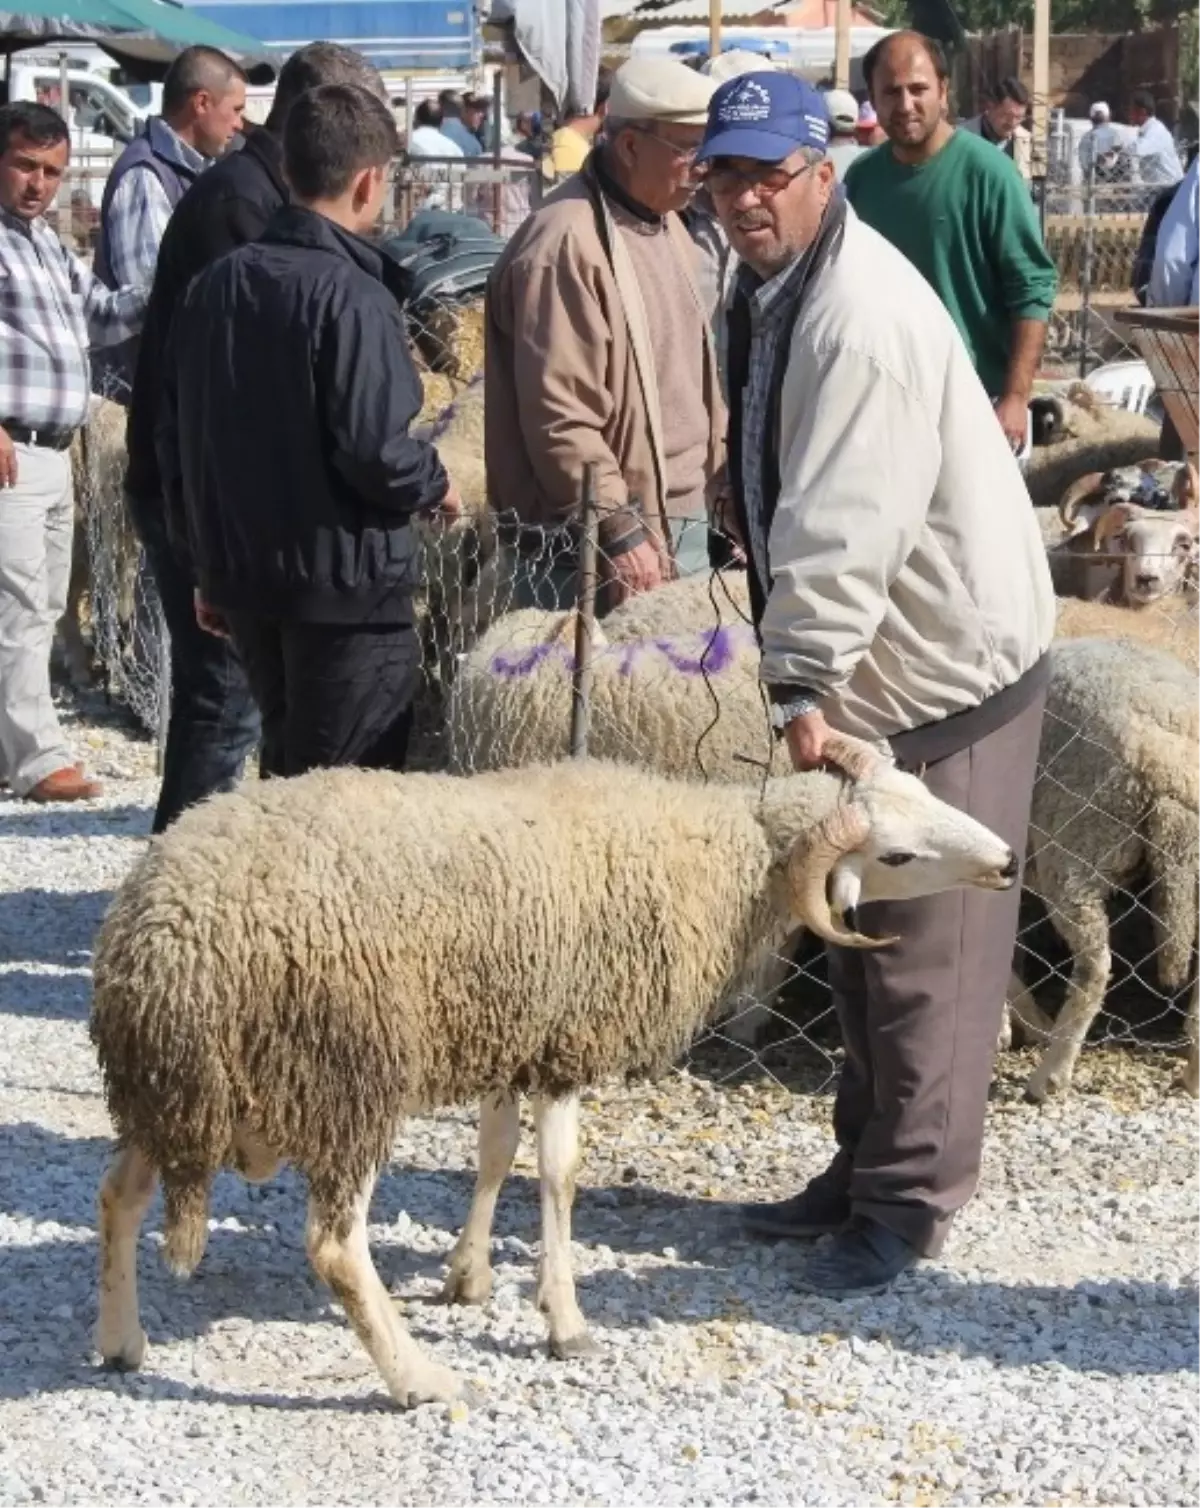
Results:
x,y
909,577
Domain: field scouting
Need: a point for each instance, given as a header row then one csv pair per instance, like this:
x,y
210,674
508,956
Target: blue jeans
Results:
x,y
214,724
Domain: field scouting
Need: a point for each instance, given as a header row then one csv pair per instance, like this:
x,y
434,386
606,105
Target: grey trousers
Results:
x,y
37,525
920,1020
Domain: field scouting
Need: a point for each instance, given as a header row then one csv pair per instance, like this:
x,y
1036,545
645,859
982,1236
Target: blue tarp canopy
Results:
x,y
426,34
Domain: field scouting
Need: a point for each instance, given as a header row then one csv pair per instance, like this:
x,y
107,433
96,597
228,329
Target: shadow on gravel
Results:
x,y
45,997
50,926
25,819
255,1268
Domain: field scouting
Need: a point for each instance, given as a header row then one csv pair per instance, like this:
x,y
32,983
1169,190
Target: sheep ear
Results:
x,y
1078,493
563,632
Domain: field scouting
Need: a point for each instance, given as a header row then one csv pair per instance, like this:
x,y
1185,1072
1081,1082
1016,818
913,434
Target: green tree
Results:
x,y
939,17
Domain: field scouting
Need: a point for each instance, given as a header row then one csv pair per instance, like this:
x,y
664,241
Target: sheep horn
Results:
x,y
1076,495
1112,521
810,865
853,757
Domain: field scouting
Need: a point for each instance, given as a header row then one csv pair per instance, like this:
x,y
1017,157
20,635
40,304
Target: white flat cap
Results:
x,y
843,109
735,62
1100,111
660,89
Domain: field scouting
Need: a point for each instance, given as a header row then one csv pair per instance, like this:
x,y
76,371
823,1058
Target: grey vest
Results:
x,y
154,150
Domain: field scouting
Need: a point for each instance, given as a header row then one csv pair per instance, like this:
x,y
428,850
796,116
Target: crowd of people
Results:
x,y
788,333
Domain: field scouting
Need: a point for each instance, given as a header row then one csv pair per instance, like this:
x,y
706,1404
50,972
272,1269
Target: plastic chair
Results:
x,y
1124,384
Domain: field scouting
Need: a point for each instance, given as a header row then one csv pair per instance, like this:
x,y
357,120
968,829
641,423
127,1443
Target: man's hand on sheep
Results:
x,y
806,739
209,619
638,570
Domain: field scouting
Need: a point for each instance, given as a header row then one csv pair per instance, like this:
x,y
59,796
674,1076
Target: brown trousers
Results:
x,y
920,1020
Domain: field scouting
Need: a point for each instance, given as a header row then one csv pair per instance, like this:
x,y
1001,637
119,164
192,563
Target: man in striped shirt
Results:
x,y
52,309
204,99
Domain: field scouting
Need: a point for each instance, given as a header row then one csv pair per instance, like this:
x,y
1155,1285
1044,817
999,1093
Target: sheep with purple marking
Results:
x,y
685,704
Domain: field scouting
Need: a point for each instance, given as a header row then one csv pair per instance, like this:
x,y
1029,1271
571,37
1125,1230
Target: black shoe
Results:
x,y
865,1257
815,1211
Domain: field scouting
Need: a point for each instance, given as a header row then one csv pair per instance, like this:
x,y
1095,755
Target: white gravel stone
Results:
x,y
1050,1357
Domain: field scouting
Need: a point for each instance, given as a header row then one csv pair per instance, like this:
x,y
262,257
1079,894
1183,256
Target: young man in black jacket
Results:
x,y
290,478
214,723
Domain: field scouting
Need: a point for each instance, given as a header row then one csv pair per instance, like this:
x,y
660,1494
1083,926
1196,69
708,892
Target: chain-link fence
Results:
x,y
113,631
1093,227
1109,908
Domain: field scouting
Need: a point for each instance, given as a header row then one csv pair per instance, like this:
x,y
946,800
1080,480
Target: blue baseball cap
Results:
x,y
767,116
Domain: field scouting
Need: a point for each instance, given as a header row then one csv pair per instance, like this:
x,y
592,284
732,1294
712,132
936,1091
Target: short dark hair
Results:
x,y
37,124
315,65
1011,89
933,48
477,102
604,82
427,114
331,133
198,68
1144,100
451,102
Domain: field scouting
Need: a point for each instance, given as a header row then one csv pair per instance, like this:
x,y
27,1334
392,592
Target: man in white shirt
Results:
x,y
1157,160
1173,282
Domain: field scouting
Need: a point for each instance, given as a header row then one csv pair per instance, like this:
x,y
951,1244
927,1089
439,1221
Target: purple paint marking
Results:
x,y
715,653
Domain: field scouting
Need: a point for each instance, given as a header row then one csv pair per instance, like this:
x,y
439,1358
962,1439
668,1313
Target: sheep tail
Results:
x,y
185,1219
1172,839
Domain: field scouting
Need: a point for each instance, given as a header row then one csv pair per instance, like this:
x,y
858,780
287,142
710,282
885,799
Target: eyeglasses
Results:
x,y
765,181
682,154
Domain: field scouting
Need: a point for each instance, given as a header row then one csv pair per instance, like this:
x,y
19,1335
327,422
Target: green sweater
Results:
x,y
966,222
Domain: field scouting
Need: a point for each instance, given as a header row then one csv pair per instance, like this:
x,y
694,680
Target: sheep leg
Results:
x,y
1084,929
558,1160
1191,1069
341,1257
1023,1010
250,1155
125,1194
469,1280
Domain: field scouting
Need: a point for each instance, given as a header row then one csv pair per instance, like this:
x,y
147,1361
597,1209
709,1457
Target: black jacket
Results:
x,y
230,204
289,475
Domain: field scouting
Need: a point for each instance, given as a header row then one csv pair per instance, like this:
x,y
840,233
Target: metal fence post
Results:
x,y
1085,271
585,618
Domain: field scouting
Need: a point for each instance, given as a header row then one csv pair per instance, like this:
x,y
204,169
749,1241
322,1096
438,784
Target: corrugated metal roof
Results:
x,y
697,10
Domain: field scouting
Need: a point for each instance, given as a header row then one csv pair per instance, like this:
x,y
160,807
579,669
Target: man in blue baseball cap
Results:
x,y
901,594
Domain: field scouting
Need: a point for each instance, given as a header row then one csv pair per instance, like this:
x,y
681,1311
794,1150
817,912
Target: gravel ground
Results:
x,y
1050,1358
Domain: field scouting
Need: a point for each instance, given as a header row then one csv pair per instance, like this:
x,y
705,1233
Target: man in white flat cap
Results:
x,y
598,350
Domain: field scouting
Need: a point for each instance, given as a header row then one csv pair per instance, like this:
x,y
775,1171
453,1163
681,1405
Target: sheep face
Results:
x,y
1157,550
892,840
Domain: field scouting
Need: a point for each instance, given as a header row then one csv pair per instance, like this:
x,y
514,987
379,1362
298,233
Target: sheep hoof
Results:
x,y
472,1285
124,1355
573,1347
429,1383
1041,1086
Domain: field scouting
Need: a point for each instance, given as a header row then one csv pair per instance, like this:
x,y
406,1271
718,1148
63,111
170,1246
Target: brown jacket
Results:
x,y
570,369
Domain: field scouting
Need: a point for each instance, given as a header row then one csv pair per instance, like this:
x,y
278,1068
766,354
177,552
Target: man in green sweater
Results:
x,y
961,214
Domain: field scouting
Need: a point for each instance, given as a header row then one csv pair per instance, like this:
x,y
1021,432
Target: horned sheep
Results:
x,y
294,967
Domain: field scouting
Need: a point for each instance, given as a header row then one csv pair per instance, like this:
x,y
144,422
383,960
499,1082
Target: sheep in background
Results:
x,y
1092,437
1117,795
1168,624
1113,547
98,474
686,704
296,966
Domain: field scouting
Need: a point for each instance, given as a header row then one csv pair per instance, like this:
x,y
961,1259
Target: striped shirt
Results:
x,y
52,309
138,215
771,305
